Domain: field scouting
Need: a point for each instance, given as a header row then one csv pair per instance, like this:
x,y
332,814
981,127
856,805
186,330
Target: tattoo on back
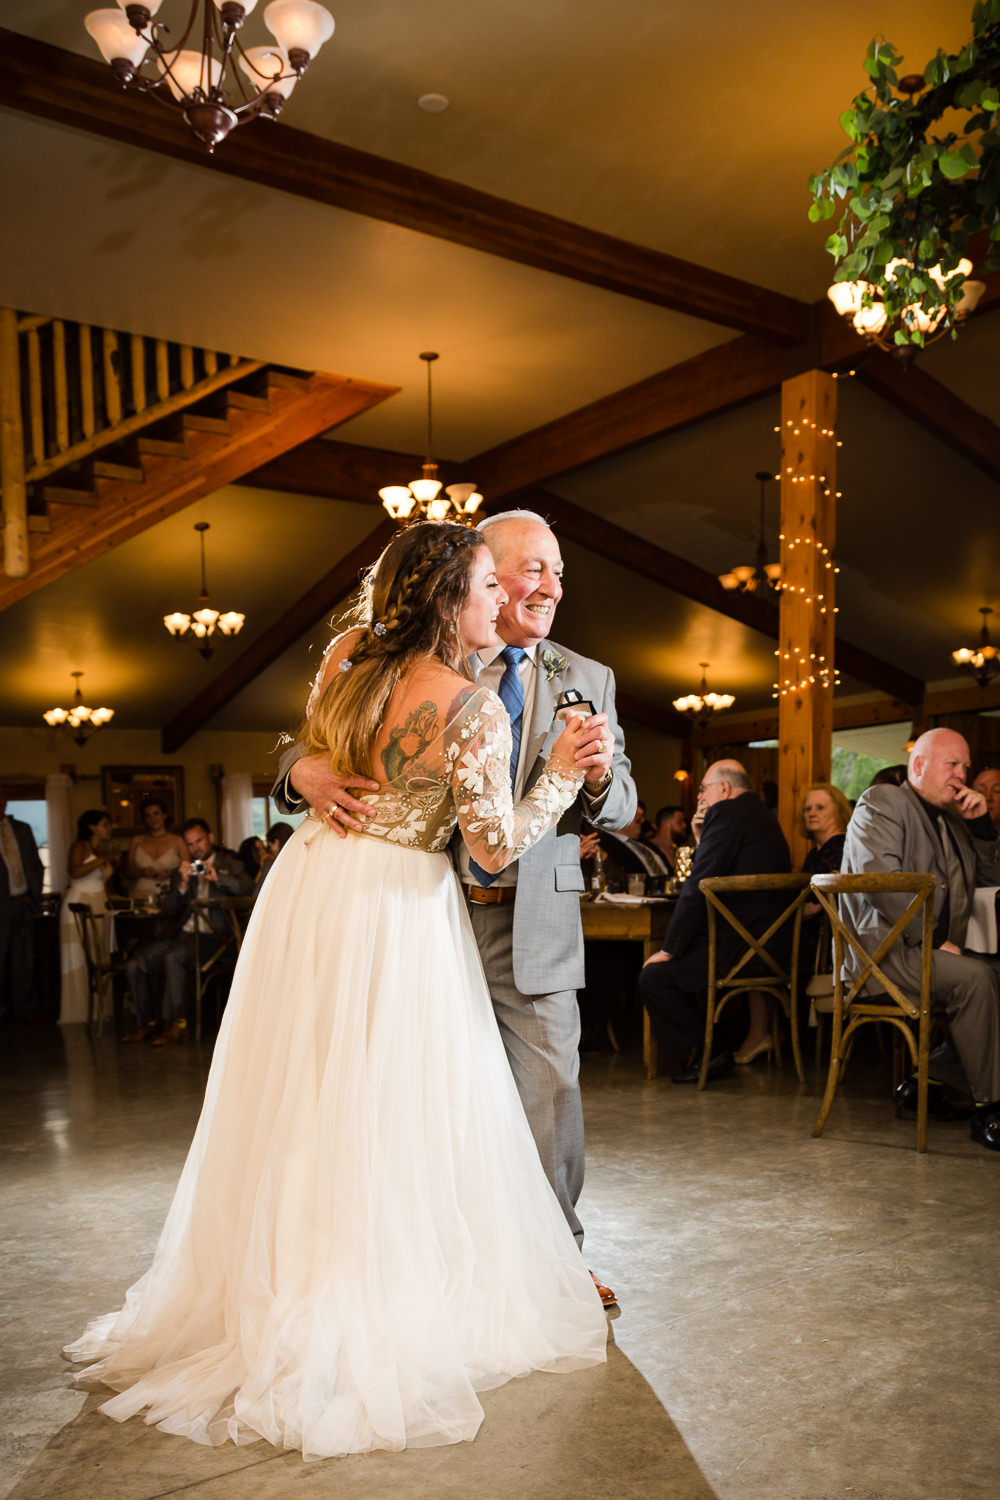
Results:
x,y
409,740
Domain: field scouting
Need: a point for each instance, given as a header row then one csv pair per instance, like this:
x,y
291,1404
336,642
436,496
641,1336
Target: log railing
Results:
x,y
67,390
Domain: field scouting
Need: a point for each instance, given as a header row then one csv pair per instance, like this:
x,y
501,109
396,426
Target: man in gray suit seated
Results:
x,y
527,921
935,823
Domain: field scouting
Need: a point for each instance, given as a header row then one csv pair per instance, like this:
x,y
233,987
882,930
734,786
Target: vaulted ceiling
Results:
x,y
612,247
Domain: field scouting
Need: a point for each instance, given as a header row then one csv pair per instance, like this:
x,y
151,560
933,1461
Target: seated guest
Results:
x,y
626,855
208,870
987,783
890,776
935,823
670,831
251,853
154,855
738,836
277,837
823,818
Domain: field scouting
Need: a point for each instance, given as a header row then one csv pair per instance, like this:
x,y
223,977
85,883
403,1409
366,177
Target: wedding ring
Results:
x,y
601,747
331,811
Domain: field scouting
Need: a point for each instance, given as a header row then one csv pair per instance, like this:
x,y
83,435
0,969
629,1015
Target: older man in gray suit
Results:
x,y
935,823
527,921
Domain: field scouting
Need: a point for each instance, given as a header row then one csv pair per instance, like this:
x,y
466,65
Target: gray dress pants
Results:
x,y
542,1035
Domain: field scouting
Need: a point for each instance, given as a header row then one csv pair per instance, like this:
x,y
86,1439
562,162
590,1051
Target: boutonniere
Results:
x,y
553,662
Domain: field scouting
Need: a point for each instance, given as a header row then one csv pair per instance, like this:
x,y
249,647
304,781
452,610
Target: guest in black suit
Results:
x,y
738,837
21,875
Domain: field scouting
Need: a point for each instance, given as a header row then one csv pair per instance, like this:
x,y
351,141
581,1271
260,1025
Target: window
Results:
x,y
28,806
264,811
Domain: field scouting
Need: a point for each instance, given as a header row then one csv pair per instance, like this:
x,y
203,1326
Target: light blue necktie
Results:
x,y
512,698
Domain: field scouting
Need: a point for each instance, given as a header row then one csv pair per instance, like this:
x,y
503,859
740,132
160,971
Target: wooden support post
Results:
x,y
805,658
12,486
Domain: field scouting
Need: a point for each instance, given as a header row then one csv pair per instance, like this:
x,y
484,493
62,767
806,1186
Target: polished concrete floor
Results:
x,y
800,1319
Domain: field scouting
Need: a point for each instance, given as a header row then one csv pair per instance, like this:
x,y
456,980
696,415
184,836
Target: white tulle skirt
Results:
x,y
362,1237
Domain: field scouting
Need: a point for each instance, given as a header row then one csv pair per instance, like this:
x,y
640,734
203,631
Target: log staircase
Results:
x,y
104,433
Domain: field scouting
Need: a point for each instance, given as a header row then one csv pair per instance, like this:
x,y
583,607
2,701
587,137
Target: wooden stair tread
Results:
x,y
193,421
243,401
61,494
162,447
107,468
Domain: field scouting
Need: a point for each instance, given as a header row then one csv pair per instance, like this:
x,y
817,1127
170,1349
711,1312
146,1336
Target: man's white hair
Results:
x,y
510,515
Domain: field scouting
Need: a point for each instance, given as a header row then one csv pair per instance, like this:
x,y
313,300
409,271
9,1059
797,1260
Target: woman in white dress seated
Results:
x,y
90,868
154,855
363,1237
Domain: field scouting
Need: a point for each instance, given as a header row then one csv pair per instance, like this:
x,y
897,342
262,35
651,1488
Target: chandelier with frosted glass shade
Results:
x,y
204,621
201,80
422,499
78,720
700,706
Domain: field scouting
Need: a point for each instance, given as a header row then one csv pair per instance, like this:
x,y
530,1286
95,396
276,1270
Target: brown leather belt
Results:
x,y
484,895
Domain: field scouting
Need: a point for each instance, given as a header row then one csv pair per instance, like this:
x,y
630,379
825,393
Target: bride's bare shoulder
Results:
x,y
338,650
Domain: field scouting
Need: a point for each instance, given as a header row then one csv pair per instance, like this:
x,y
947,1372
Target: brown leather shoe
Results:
x,y
175,1032
607,1296
142,1033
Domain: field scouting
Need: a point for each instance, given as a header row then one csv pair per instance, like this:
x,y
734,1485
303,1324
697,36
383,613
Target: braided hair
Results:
x,y
409,609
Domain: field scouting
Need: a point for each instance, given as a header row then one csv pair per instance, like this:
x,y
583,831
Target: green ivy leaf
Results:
x,y
953,164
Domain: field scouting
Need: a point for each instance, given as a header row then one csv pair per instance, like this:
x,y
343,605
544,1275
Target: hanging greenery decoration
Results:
x,y
920,178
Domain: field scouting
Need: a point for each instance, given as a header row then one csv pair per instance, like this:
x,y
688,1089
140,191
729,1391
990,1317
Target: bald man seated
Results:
x,y
934,822
737,836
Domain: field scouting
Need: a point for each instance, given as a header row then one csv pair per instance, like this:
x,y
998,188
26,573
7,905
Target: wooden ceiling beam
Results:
x,y
937,410
318,601
57,85
345,473
715,381
673,572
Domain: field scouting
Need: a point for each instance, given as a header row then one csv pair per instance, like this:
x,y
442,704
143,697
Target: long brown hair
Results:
x,y
409,608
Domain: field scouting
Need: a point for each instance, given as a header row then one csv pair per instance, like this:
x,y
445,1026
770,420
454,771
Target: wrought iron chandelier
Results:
x,y
421,499
763,578
80,720
204,621
983,661
204,85
703,704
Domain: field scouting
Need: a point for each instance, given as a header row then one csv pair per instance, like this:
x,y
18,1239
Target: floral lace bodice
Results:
x,y
463,776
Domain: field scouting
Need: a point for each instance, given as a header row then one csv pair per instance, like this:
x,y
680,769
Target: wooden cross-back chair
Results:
x,y
851,1008
779,981
217,965
101,966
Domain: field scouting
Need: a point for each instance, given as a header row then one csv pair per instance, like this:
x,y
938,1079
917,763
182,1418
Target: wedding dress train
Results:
x,y
362,1237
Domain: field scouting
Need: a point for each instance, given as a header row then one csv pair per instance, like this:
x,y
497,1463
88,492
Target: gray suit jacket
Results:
x,y
892,830
548,937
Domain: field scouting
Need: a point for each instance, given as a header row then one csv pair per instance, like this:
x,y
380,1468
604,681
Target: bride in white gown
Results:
x,y
362,1237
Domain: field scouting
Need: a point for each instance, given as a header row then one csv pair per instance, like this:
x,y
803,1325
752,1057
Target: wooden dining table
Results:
x,y
645,922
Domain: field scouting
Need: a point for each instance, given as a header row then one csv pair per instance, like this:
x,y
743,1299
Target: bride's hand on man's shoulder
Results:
x,y
328,794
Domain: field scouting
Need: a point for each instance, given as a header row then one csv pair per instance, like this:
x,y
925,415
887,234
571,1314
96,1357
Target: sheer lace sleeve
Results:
x,y
477,752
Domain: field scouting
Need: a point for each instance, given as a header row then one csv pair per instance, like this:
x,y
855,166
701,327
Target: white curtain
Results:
x,y
59,807
237,808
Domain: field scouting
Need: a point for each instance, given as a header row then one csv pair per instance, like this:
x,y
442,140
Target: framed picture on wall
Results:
x,y
125,788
